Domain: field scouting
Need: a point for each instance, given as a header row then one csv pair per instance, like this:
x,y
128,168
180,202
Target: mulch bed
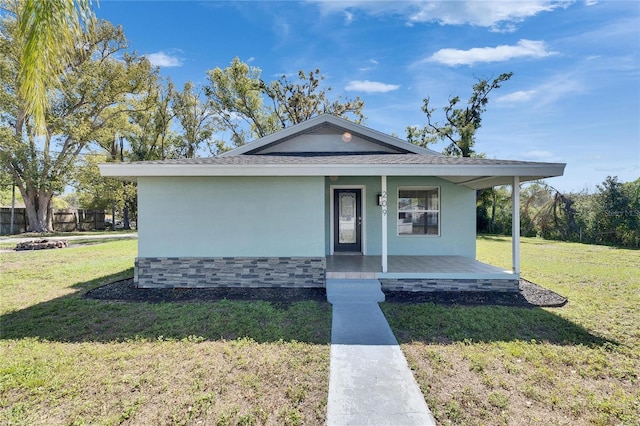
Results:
x,y
125,291
530,295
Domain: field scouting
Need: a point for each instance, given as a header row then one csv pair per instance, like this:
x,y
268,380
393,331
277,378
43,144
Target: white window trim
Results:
x,y
418,188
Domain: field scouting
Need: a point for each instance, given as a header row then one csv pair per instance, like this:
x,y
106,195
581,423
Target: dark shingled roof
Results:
x,y
382,159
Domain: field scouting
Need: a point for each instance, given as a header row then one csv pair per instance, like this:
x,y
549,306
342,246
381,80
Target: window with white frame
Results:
x,y
419,211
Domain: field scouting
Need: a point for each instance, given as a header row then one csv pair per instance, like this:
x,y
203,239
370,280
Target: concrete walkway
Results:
x,y
370,382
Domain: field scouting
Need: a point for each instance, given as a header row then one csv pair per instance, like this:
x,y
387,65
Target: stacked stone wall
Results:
x,y
425,284
166,272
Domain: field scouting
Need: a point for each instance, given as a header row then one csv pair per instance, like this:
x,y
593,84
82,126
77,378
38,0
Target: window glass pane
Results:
x,y
433,203
418,211
431,223
412,200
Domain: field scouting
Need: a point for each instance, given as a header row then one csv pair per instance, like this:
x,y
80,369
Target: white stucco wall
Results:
x,y
228,216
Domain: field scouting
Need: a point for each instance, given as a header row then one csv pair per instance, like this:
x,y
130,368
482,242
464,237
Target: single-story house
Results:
x,y
326,198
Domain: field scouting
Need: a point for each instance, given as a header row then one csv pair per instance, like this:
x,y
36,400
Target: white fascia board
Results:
x,y
128,170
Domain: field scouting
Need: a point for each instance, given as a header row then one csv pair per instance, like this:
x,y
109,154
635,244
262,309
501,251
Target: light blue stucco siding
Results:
x,y
457,220
231,216
457,217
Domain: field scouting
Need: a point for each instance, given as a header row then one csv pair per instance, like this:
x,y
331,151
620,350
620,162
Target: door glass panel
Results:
x,y
347,218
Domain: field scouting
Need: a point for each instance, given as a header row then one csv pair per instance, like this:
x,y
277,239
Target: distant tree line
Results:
x,y
610,216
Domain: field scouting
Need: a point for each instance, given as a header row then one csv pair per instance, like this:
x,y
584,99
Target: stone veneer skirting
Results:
x,y
198,272
438,284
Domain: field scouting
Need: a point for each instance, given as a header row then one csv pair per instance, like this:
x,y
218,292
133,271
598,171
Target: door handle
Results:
x,y
359,220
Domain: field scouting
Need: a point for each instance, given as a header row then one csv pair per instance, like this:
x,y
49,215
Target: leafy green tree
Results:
x,y
549,213
196,119
150,136
617,213
461,124
296,102
96,192
95,90
237,96
493,210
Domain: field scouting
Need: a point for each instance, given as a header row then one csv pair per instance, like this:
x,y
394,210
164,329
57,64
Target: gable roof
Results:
x,y
376,154
329,124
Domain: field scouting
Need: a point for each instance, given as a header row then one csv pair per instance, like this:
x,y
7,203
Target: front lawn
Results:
x,y
579,364
70,360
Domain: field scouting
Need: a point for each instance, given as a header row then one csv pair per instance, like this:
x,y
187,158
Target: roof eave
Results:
x,y
480,176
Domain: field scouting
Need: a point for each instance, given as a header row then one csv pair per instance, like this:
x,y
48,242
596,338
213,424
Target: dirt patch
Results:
x,y
530,295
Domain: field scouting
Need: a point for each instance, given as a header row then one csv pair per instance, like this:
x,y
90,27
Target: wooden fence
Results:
x,y
63,220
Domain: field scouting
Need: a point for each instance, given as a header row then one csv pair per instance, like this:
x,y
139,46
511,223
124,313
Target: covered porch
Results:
x,y
423,273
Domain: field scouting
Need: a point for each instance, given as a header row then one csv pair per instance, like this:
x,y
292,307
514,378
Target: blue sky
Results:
x,y
574,96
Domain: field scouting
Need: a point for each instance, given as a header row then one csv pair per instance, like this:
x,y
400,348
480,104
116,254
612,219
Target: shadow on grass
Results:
x,y
431,323
494,237
73,318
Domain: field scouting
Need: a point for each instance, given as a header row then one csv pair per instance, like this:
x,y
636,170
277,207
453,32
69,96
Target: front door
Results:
x,y
347,220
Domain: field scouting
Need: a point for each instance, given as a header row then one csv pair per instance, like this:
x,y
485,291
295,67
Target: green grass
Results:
x,y
579,364
7,242
70,360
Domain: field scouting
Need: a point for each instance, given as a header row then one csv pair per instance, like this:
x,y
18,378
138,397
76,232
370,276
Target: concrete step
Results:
x,y
351,275
354,291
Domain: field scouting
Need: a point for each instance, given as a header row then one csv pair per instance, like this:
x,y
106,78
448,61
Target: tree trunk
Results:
x,y
113,215
125,217
37,205
494,201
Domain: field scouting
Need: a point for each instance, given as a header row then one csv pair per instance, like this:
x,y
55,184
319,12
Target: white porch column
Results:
x,y
383,204
515,225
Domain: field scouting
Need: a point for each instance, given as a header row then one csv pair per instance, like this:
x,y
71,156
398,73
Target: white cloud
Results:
x,y
523,49
558,87
497,15
519,96
549,92
370,86
372,64
162,59
348,17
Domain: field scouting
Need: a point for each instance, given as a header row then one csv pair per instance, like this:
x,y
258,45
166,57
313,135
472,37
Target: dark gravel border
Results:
x,y
530,295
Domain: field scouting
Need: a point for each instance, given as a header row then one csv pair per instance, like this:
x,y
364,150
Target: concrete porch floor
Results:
x,y
358,266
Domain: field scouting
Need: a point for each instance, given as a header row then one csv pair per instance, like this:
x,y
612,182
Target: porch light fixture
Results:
x,y
379,199
346,137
